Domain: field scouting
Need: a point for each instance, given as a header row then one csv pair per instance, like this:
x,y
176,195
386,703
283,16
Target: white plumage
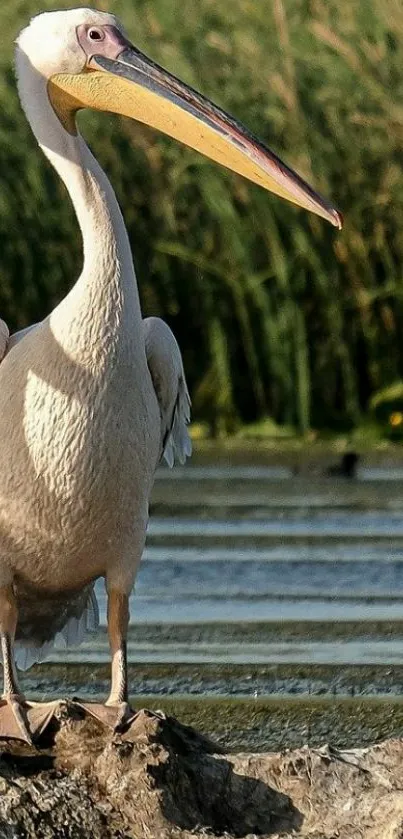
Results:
x,y
166,367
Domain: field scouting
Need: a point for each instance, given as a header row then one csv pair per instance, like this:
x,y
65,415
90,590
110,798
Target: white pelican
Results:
x,y
93,396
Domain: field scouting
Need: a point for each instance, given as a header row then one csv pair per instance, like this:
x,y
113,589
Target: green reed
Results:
x,y
276,313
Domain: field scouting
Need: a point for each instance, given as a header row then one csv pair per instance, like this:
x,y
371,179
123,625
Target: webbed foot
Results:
x,y
40,714
117,716
14,722
23,720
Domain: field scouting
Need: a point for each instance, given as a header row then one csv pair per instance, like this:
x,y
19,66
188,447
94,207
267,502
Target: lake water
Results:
x,y
251,563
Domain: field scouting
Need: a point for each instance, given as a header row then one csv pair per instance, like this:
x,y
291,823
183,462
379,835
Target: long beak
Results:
x,y
132,85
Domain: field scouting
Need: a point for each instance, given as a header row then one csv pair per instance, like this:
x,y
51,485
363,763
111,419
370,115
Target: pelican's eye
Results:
x,y
96,34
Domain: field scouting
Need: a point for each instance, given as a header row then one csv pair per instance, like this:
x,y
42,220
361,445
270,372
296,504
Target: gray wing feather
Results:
x,y
17,336
4,339
81,617
165,364
7,341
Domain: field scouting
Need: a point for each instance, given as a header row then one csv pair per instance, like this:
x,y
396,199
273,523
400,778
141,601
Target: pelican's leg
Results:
x,y
19,719
116,712
13,716
117,706
118,622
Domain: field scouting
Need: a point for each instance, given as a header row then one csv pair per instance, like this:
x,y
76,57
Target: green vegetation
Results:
x,y
387,408
271,724
276,313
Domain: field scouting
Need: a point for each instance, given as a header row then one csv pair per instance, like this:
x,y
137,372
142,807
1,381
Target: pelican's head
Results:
x,y
87,62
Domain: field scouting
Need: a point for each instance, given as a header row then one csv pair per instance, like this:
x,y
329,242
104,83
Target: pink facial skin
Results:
x,y
101,40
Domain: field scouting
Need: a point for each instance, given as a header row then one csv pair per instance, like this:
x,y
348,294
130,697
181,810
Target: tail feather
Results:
x,y
78,626
26,656
73,633
178,444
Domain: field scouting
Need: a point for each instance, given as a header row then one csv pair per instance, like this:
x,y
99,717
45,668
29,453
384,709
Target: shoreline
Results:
x,y
246,708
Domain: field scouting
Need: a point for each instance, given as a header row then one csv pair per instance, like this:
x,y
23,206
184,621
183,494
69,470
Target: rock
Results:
x,y
163,780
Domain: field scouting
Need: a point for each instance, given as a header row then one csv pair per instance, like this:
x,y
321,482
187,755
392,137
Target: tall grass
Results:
x,y
275,312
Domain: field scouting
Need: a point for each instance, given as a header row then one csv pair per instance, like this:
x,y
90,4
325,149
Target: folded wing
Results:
x,y
165,364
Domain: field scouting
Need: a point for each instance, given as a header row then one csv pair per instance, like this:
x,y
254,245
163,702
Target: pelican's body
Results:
x,y
75,505
93,396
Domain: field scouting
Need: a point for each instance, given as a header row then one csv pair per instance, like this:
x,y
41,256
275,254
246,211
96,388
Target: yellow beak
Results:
x,y
132,85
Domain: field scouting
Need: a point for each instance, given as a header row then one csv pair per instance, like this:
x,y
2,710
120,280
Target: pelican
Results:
x,y
94,396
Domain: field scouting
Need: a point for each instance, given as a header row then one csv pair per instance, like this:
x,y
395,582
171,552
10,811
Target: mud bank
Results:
x,y
161,779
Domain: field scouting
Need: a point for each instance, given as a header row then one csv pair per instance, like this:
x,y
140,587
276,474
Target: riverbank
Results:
x,y
163,779
250,708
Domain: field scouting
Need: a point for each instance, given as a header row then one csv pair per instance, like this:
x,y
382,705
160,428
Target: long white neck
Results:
x,y
102,310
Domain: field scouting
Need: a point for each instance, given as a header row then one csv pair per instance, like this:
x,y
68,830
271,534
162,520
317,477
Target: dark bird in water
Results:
x,y
347,468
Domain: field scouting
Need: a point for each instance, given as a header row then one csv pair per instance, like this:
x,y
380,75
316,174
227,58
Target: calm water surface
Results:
x,y
232,546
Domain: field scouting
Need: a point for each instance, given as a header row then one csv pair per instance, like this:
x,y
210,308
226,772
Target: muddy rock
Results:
x,y
161,779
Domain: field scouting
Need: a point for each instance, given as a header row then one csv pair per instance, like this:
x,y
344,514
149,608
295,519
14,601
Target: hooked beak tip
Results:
x,y
338,219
